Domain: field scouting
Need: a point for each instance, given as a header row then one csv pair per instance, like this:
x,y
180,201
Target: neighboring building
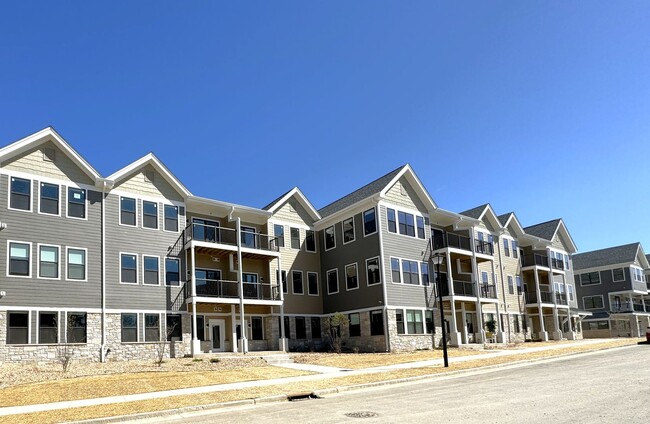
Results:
x,y
612,284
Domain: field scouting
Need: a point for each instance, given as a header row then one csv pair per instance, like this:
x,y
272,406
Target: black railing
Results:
x,y
561,299
488,291
442,240
484,247
558,263
230,289
228,236
534,259
464,288
547,297
178,302
638,307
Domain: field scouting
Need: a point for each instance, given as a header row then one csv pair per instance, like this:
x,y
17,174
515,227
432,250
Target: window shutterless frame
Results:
x,y
329,238
76,264
297,278
19,259
373,271
369,222
312,284
172,272
351,277
20,193
128,266
48,263
149,215
76,203
150,270
347,226
332,281
171,221
310,241
128,211
49,199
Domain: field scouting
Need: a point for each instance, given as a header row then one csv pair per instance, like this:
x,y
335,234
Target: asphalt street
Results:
x,y
610,386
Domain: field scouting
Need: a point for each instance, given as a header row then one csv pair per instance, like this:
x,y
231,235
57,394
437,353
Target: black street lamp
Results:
x,y
437,260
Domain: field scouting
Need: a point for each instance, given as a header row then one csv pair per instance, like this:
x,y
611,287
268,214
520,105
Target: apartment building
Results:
x,y
612,283
115,267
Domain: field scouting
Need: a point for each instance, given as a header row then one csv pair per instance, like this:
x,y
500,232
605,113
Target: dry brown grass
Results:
x,y
307,386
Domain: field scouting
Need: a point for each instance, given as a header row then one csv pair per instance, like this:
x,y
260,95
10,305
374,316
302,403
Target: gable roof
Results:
x,y
510,219
298,194
545,230
43,136
505,218
476,212
484,213
150,159
604,257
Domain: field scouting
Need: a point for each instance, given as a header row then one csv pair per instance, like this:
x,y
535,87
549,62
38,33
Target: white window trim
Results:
x,y
135,200
67,201
138,327
333,227
354,232
119,268
633,274
390,269
315,241
363,221
31,258
38,210
31,193
379,265
164,276
38,261
614,278
291,239
338,282
302,282
58,328
592,284
317,287
571,292
602,299
178,217
345,271
511,279
142,215
273,225
67,250
143,271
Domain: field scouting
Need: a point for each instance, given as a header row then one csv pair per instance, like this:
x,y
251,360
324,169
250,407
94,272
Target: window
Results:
x,y
315,328
49,202
151,327
278,232
511,285
637,274
127,211
172,272
570,290
424,273
21,194
420,226
48,262
516,323
257,328
414,321
332,281
589,278
285,287
518,279
150,215
484,277
200,327
592,302
76,203
175,328
355,325
128,269
377,323
151,270
312,283
205,230
515,249
394,270
351,278
506,247
287,327
48,328
410,272
129,328
295,238
566,262
369,222
399,320
18,328
598,325
428,318
19,264
310,241
296,279
171,218
618,275
76,327
348,230
392,223
372,269
406,224
301,328
330,239
76,264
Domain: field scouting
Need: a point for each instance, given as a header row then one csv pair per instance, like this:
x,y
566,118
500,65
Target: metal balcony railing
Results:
x,y
484,247
230,289
228,236
488,291
534,259
546,297
464,288
558,263
561,299
442,240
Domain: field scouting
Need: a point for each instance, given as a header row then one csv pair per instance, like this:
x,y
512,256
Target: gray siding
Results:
x,y
594,290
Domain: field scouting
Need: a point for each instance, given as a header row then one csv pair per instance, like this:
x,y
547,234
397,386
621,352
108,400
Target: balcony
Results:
x,y
461,288
546,297
484,247
534,259
488,291
561,299
443,240
228,236
230,290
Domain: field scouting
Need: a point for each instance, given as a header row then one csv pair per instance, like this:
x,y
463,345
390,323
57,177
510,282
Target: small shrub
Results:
x,y
215,360
197,360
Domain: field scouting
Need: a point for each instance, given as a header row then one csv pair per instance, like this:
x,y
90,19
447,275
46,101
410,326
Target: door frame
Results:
x,y
222,332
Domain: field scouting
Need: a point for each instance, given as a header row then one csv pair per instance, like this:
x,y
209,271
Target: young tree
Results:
x,y
334,324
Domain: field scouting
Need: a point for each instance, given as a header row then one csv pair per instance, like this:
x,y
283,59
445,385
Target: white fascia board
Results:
x,y
150,158
301,198
408,172
353,209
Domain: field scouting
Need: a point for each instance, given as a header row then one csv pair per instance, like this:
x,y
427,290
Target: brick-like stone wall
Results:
x,y
412,342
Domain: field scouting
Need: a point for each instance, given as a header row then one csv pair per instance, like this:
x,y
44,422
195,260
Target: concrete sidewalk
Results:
x,y
323,373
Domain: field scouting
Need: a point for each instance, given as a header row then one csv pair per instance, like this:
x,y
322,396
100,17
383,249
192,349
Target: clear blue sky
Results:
x,y
538,107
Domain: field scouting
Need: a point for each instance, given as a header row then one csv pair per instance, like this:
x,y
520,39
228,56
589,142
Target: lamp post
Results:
x,y
437,260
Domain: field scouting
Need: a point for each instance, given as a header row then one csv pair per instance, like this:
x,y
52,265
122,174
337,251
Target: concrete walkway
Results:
x,y
323,373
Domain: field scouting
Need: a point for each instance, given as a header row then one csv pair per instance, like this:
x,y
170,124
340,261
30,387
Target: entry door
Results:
x,y
217,334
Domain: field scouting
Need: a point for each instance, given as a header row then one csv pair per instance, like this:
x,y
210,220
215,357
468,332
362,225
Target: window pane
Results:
x,y
150,214
129,270
278,231
76,203
171,218
330,240
17,329
332,282
369,222
297,282
392,225
48,328
49,198
312,283
295,238
20,194
351,277
420,224
372,266
19,259
76,328
49,266
310,241
172,272
19,251
348,230
394,267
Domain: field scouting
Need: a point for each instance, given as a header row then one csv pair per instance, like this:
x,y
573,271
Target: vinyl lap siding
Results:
x,y
159,187
408,200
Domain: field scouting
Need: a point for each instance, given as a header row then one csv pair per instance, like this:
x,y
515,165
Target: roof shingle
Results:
x,y
605,257
545,230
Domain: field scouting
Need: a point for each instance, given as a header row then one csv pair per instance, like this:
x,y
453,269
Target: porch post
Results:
x,y
282,342
464,322
479,307
240,277
233,328
500,335
454,335
543,335
196,343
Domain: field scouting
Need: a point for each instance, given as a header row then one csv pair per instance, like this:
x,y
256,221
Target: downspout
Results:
x,y
102,354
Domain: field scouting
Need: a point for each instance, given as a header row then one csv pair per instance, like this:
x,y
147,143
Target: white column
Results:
x,y
543,335
233,328
454,335
480,334
450,279
240,277
282,342
196,343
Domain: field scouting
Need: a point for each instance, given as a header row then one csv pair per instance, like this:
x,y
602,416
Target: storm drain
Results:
x,y
361,414
302,396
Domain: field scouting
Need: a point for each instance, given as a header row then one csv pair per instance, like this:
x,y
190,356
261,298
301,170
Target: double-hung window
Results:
x,y
18,328
282,277
392,222
310,241
590,278
515,249
511,285
128,268
414,321
295,238
19,259
172,272
399,320
410,272
129,328
48,328
76,327
296,279
312,283
394,270
369,222
175,328
420,226
330,238
348,230
372,269
618,275
151,271
127,211
351,277
49,201
21,194
76,264
171,218
355,325
332,281
278,232
76,203
150,214
406,224
151,327
424,273
377,323
428,320
48,262
506,247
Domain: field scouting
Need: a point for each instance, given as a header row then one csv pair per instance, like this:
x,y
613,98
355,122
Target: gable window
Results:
x,y
424,273
172,272
128,269
171,218
296,278
369,222
414,321
278,232
151,327
175,328
392,222
332,281
149,215
377,323
618,275
127,211
21,194
420,226
399,320
394,270
372,269
315,328
330,239
515,249
355,325
406,224
76,327
48,328
410,272
312,284
285,287
592,302
76,264
348,230
19,263
17,328
76,203
351,278
49,202
129,328
295,238
301,328
589,278
151,270
310,241
48,262
506,247
511,285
